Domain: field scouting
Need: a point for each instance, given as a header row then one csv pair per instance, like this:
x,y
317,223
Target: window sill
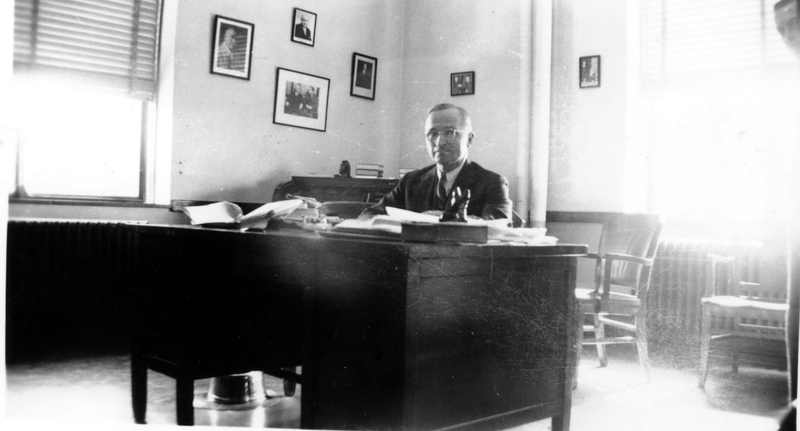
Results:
x,y
83,202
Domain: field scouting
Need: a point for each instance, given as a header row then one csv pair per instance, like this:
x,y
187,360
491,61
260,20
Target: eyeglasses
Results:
x,y
446,134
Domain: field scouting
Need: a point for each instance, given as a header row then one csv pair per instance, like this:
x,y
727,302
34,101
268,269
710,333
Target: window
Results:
x,y
719,110
85,84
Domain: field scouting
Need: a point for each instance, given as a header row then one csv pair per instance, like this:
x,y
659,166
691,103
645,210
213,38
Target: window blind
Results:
x,y
687,37
101,43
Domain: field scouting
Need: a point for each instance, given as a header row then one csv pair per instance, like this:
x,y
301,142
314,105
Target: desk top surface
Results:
x,y
312,238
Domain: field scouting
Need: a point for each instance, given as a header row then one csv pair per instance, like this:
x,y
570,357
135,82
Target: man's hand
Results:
x,y
365,216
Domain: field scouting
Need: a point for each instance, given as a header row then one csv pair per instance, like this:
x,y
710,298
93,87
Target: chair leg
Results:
x,y
184,388
289,387
578,348
139,387
641,343
705,343
599,333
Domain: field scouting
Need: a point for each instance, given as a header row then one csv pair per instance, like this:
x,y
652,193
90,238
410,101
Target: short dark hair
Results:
x,y
445,106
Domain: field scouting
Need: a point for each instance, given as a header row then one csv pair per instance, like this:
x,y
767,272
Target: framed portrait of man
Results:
x,y
363,76
304,27
232,47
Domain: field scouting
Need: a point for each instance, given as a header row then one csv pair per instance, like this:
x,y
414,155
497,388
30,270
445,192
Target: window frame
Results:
x,y
148,144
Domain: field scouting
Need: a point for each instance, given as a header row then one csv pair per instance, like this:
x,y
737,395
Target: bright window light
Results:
x,y
723,154
718,110
79,143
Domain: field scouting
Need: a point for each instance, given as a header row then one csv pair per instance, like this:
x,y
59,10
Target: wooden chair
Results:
x,y
743,311
624,260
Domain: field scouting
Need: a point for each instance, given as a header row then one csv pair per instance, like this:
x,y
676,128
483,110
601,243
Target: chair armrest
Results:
x,y
598,268
609,260
627,258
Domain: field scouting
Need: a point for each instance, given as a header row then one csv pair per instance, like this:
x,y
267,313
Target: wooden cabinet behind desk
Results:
x,y
328,189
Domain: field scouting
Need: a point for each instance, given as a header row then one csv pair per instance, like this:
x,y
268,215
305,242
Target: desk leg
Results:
x,y
138,386
574,341
289,386
184,388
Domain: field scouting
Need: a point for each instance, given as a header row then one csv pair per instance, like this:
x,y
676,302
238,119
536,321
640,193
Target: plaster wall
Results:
x,y
224,143
587,126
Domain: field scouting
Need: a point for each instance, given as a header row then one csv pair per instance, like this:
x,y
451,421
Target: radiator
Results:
x,y
65,285
678,281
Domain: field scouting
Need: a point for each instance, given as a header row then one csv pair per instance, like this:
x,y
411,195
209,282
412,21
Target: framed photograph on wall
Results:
x,y
304,26
363,76
232,47
589,71
462,83
301,100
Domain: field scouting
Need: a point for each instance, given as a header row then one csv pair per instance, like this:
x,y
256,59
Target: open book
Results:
x,y
229,216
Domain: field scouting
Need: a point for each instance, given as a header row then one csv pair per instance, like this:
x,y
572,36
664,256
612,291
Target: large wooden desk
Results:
x,y
390,335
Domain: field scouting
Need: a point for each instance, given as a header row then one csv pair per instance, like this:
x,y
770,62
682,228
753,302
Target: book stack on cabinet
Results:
x,y
369,170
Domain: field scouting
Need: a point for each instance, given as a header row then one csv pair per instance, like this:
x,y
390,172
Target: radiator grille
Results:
x,y
678,281
65,285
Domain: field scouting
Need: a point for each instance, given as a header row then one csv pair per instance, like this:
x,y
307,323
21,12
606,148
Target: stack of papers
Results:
x,y
392,225
229,216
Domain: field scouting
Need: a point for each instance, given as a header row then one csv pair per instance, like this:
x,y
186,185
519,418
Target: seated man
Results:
x,y
448,132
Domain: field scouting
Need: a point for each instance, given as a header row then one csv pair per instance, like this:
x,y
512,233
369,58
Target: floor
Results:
x,y
88,393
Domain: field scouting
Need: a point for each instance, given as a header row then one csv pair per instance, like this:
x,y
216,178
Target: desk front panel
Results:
x,y
427,336
225,296
487,336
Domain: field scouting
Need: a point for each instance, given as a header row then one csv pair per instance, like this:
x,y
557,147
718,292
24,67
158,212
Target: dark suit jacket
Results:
x,y
298,32
363,80
417,192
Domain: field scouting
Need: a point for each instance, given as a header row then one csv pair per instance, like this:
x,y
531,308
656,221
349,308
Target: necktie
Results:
x,y
441,191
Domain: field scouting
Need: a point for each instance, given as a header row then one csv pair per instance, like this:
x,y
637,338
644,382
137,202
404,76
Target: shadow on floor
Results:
x,y
77,391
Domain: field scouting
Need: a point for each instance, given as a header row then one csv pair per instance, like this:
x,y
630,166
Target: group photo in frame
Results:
x,y
589,71
363,76
462,83
301,100
232,47
304,27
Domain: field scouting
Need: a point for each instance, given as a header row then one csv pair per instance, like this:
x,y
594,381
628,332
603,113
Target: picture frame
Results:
x,y
462,83
589,67
301,100
232,47
363,76
304,27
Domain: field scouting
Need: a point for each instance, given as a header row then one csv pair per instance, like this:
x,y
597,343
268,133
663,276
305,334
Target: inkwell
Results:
x,y
456,207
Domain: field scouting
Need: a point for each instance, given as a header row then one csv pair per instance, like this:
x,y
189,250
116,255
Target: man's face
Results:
x,y
444,151
230,38
304,20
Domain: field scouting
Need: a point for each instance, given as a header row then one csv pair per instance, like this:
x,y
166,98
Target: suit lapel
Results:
x,y
426,193
466,178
